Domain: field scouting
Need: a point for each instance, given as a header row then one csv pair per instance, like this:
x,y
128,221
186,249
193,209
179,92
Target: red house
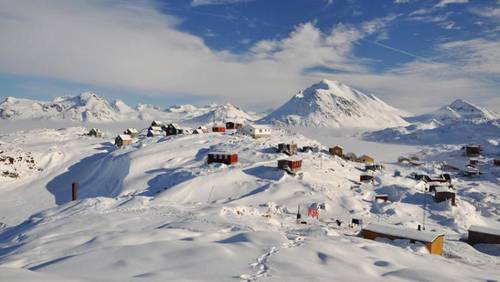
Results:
x,y
219,128
225,158
233,125
290,165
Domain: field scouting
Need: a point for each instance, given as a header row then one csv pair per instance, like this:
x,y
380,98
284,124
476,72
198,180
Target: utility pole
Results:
x,y
425,206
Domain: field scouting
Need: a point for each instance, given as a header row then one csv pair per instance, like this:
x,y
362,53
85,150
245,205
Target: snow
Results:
x,y
407,233
156,210
334,104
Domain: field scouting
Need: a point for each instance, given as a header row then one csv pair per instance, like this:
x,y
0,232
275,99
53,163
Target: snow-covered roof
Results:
x,y
441,189
221,153
401,232
292,159
259,126
132,130
125,137
484,229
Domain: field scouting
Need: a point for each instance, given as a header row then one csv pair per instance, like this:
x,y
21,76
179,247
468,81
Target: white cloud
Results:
x,y
134,47
195,3
401,1
444,3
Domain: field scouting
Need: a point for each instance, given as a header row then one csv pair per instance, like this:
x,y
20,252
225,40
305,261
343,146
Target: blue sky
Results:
x,y
415,54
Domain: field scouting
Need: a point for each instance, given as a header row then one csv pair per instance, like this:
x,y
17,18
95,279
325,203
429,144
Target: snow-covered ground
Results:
x,y
155,210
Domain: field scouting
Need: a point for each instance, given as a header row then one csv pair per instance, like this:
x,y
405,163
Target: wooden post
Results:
x,y
74,190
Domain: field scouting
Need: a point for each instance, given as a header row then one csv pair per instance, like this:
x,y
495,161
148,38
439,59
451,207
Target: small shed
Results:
x,y
122,140
132,132
365,178
366,159
290,165
483,235
203,129
221,157
472,150
471,171
289,149
444,193
373,167
156,123
432,240
233,125
337,151
496,162
382,197
219,128
257,130
94,132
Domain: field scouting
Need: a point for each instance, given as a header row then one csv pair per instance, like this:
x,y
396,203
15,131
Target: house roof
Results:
x,y
402,232
132,130
125,137
259,126
442,189
484,229
222,153
292,159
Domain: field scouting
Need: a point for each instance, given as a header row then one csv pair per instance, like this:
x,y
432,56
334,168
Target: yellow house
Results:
x,y
434,242
366,159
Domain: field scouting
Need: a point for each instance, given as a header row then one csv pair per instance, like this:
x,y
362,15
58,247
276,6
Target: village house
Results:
x,y
197,131
94,132
496,162
337,151
220,157
154,131
350,157
173,129
233,125
257,130
132,132
473,162
366,159
471,171
472,150
434,185
444,193
289,149
122,140
483,235
219,128
381,198
373,167
433,241
290,165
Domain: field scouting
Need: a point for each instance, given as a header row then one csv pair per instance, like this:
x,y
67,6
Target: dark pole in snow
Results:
x,y
425,205
74,190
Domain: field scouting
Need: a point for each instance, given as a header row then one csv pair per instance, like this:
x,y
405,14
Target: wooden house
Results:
x,y
444,193
290,165
257,130
233,125
337,151
94,132
289,149
373,167
496,162
473,162
471,171
366,159
132,132
472,150
122,140
433,241
219,128
365,178
220,157
483,235
433,186
173,129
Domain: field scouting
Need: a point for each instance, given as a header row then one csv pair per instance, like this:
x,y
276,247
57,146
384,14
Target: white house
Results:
x,y
257,130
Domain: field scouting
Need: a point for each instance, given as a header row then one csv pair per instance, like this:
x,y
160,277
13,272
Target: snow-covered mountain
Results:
x,y
87,106
459,110
221,113
334,104
456,123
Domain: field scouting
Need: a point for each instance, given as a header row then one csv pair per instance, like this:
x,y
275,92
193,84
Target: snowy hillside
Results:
x,y
459,110
334,104
85,107
457,123
156,210
220,113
